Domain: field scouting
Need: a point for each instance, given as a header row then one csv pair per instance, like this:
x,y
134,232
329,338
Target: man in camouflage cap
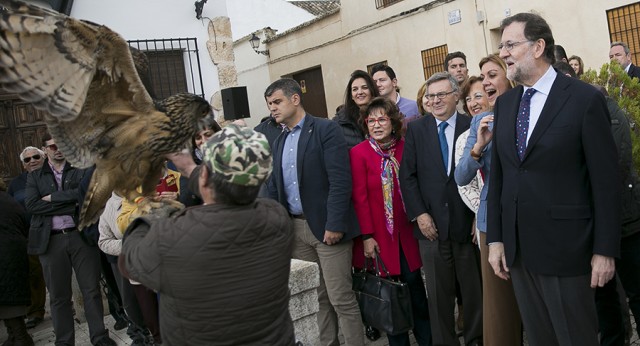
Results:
x,y
208,260
241,156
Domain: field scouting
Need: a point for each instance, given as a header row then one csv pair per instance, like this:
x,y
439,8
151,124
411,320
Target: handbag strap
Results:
x,y
377,264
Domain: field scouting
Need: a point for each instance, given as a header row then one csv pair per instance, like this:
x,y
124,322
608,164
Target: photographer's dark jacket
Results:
x,y
221,271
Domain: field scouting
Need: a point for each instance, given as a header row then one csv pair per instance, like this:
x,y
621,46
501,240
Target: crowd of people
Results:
x,y
513,192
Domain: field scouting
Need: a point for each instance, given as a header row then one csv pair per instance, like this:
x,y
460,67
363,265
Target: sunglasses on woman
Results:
x,y
28,159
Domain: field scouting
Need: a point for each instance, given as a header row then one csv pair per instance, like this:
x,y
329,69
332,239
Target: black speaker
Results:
x,y
235,103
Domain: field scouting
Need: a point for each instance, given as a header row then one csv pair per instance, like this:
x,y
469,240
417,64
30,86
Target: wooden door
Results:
x,y
21,125
313,98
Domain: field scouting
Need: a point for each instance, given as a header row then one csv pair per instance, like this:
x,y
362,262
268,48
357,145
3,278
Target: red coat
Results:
x,y
366,168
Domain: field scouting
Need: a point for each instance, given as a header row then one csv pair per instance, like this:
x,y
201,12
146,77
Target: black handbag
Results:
x,y
384,303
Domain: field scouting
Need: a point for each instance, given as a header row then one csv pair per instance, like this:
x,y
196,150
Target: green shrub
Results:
x,y
626,92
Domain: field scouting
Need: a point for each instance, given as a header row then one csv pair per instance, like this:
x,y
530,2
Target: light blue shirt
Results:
x,y
467,168
290,169
407,107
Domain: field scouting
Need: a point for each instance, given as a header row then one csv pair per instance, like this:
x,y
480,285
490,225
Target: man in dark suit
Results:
x,y
554,203
51,197
620,51
312,180
443,223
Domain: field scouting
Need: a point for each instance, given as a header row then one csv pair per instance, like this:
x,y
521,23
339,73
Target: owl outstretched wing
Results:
x,y
80,73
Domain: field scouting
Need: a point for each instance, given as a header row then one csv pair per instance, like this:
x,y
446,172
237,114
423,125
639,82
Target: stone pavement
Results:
x,y
43,334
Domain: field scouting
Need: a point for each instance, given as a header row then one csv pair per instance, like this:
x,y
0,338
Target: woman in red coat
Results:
x,y
378,204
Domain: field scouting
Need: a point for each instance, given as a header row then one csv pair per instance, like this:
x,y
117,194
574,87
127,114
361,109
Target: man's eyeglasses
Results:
x,y
53,147
371,122
440,95
509,45
28,159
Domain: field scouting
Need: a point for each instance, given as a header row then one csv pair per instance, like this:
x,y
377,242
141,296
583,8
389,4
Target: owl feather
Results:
x,y
83,76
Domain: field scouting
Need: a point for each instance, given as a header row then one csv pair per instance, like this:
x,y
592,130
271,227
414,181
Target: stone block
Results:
x,y
303,304
303,276
306,330
304,279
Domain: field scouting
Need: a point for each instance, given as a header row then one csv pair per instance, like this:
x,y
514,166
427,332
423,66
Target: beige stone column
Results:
x,y
220,47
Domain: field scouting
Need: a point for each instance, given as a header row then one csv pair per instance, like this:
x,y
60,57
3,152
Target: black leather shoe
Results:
x,y
32,322
120,324
106,341
372,333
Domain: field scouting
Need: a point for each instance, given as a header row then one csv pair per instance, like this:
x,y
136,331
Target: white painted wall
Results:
x,y
143,19
360,35
253,72
248,16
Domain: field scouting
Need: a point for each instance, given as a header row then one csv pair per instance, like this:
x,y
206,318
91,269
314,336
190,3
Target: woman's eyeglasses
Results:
x,y
35,157
371,122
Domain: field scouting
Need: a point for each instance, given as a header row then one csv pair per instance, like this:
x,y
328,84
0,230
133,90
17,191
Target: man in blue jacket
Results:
x,y
312,180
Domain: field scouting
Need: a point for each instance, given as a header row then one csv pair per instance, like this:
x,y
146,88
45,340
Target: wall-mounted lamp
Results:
x,y
199,7
255,43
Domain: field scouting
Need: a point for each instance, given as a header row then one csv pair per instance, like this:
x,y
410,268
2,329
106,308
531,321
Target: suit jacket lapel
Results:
x,y
460,128
277,168
509,113
305,135
557,97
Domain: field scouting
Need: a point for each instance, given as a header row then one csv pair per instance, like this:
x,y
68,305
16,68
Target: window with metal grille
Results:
x,y
174,65
370,67
385,3
433,60
624,23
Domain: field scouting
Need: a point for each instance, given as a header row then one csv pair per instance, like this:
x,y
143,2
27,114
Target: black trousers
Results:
x,y
420,309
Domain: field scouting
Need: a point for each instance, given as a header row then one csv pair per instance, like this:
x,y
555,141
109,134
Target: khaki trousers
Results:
x,y
335,295
501,322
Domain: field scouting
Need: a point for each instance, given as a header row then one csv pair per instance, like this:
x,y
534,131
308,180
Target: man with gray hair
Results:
x,y
443,223
620,51
221,269
32,159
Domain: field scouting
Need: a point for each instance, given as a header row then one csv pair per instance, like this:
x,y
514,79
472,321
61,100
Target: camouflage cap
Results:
x,y
241,155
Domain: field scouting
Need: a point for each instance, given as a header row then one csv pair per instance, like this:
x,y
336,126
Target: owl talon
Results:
x,y
151,208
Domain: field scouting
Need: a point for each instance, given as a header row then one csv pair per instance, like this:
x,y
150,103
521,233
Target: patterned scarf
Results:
x,y
390,168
